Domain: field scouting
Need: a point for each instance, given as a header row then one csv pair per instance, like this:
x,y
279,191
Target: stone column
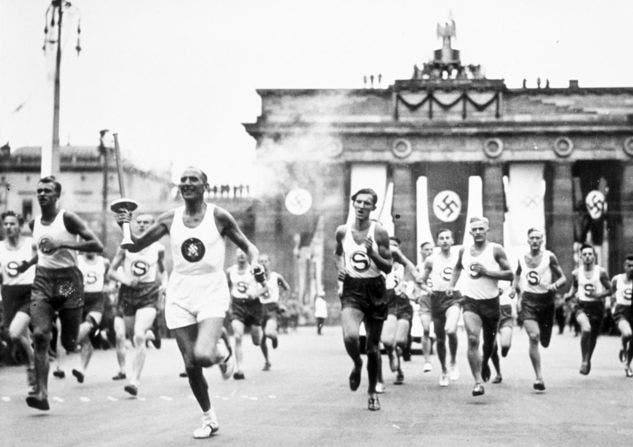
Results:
x,y
404,197
493,200
560,231
626,207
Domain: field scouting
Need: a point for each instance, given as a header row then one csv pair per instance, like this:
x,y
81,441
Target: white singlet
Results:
x,y
240,281
142,265
624,290
272,296
395,278
537,279
93,272
586,285
12,257
357,263
472,284
442,270
56,230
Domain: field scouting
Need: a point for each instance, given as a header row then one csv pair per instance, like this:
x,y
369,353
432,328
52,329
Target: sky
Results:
x,y
175,79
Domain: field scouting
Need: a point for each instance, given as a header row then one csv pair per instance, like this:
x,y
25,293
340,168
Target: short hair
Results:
x,y
532,230
585,246
393,238
11,213
476,219
629,257
425,243
369,191
443,230
203,174
51,179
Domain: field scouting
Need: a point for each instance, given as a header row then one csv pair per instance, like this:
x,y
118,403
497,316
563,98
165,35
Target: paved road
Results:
x,y
304,400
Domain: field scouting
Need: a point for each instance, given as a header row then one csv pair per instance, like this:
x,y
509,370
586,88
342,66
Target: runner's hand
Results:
x,y
123,216
369,245
49,246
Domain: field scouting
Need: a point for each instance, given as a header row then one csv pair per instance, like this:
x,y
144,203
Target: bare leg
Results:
x,y
388,338
374,328
425,319
472,324
350,323
19,333
534,335
585,342
238,334
143,321
119,331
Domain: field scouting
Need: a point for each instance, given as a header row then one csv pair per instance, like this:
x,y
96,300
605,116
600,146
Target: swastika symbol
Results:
x,y
596,204
447,206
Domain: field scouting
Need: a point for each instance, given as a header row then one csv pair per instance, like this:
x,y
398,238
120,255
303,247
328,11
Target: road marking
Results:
x,y
112,399
6,399
142,399
167,398
395,426
245,397
272,396
253,398
58,399
84,399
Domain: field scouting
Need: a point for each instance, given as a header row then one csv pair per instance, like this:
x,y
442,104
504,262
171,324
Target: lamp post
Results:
x,y
104,152
54,17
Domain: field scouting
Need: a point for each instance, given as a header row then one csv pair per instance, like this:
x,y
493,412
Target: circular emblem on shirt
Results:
x,y
12,269
91,278
628,293
473,273
532,277
241,287
140,268
360,261
192,249
447,205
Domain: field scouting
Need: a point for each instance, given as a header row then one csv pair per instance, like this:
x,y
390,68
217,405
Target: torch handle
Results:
x,y
117,158
126,242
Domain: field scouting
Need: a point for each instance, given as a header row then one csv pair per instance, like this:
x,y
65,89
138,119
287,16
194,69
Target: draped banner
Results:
x,y
475,206
373,176
423,225
525,195
446,101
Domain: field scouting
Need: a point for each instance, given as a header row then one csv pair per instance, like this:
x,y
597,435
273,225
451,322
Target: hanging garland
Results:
x,y
464,98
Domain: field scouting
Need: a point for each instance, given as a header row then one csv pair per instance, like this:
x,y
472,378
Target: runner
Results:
x,y
362,251
590,287
538,278
58,284
197,296
622,286
139,294
246,310
268,293
94,269
320,312
485,263
395,331
506,324
16,287
437,271
426,315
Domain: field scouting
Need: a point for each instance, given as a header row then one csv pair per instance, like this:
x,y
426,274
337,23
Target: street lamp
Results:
x,y
105,148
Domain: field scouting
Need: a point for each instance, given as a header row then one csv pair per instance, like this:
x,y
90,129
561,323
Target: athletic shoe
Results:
x,y
539,385
119,376
399,378
238,375
209,426
585,368
622,356
40,404
427,367
373,404
485,372
478,389
149,337
354,378
380,388
267,366
78,375
453,373
628,371
31,380
59,373
497,379
131,389
444,379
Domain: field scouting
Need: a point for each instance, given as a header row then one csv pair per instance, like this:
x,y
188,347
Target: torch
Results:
x,y
123,203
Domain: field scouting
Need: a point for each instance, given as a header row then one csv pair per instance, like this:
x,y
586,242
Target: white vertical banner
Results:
x,y
525,195
372,176
385,216
475,205
423,224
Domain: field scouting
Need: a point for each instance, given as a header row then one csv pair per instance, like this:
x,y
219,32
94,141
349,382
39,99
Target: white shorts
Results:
x,y
193,298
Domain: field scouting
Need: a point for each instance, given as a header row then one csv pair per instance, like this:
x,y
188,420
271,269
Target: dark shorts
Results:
x,y
15,299
93,302
505,316
399,306
623,312
367,295
132,299
61,288
540,307
248,311
270,311
425,304
441,302
594,311
488,310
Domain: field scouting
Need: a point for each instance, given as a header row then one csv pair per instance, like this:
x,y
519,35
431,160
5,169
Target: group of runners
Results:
x,y
476,282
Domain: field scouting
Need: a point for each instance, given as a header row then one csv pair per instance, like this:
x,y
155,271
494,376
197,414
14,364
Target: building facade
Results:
x,y
445,144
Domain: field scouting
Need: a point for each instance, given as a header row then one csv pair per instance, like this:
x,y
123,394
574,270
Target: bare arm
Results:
x,y
457,270
505,274
159,229
604,279
75,225
574,285
557,272
382,258
282,282
338,252
228,227
115,273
